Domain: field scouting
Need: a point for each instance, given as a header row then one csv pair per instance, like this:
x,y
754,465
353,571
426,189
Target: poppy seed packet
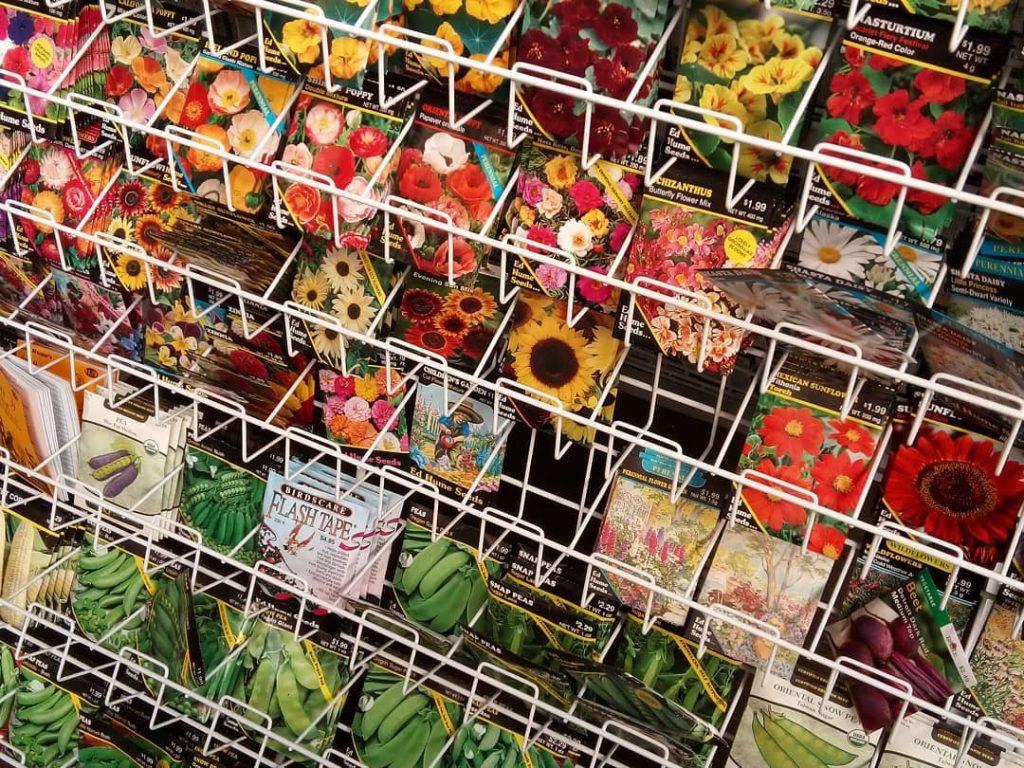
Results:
x,y
753,62
685,227
899,93
608,44
586,216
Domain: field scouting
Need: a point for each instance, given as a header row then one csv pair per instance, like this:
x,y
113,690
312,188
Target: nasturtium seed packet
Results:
x,y
608,44
753,62
1007,129
685,226
843,249
992,15
898,93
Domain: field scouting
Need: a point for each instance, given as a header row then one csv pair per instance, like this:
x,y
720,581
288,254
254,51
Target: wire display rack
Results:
x,y
375,633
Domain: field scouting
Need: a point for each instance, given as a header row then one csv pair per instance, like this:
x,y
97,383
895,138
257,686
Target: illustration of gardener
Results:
x,y
452,430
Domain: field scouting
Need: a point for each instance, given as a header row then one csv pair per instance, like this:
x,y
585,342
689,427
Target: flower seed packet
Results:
x,y
1007,129
993,15
242,111
990,300
898,93
473,29
606,43
922,740
586,215
347,138
345,284
357,408
768,579
571,365
648,532
459,173
454,445
755,63
845,250
798,437
458,323
685,226
1004,233
98,316
788,717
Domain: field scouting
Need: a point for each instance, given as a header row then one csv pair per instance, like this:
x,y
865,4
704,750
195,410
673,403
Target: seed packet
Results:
x,y
461,174
933,743
350,286
18,278
586,215
358,407
55,180
843,249
1004,234
906,634
768,579
347,138
98,315
798,437
685,226
44,720
171,637
995,16
458,323
84,376
455,450
436,711
295,46
41,552
899,93
663,660
648,532
789,719
753,62
608,45
572,365
243,111
12,143
117,736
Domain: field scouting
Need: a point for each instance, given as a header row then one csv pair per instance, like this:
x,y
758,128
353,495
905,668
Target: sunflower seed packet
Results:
x,y
685,226
572,365
755,63
586,216
898,93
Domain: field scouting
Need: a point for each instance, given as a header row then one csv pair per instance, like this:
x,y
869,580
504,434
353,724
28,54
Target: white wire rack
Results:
x,y
380,634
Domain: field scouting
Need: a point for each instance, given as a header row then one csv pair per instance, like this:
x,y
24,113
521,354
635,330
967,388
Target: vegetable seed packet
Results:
x,y
797,437
453,441
573,365
117,736
647,532
586,216
899,93
755,63
170,637
934,743
461,174
32,550
348,138
608,45
788,718
44,718
685,226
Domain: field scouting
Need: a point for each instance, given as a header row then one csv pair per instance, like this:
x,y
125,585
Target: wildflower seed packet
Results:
x,y
842,249
898,93
97,315
932,743
788,717
459,173
646,530
294,47
746,60
908,634
571,365
364,410
350,139
454,445
241,111
475,29
587,216
458,323
797,437
685,226
990,300
606,43
768,579
347,286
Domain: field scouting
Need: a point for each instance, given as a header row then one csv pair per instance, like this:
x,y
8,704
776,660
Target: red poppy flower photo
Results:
x,y
946,485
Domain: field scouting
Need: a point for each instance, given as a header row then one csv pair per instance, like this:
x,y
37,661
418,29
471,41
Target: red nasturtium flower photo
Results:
x,y
947,486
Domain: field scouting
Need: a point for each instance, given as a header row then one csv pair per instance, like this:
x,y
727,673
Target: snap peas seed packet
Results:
x,y
934,743
899,93
44,720
787,720
497,737
118,737
755,63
